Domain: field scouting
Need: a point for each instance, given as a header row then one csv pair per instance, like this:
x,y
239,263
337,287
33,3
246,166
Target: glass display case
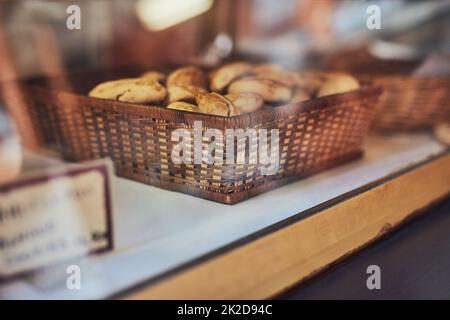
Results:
x,y
168,149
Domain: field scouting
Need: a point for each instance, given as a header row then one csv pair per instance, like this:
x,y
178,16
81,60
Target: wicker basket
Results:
x,y
410,103
313,136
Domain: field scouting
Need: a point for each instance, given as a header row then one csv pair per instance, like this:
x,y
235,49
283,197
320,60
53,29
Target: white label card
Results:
x,y
57,216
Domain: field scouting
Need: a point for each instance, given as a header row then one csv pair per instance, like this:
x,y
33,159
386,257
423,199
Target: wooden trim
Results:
x,y
276,261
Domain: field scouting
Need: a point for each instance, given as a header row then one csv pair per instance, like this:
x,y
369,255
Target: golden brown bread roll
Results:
x,y
224,75
184,83
288,78
216,104
183,93
270,90
187,76
155,76
135,90
180,105
335,83
246,102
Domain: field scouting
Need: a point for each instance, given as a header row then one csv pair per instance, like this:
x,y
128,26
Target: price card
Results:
x,y
55,215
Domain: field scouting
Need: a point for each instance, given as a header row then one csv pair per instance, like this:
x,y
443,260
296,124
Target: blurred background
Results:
x,y
296,33
43,38
57,38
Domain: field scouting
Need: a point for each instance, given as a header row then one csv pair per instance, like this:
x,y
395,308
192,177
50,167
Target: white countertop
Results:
x,y
157,230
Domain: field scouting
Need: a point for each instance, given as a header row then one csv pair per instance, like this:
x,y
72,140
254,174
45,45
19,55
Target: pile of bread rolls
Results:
x,y
232,89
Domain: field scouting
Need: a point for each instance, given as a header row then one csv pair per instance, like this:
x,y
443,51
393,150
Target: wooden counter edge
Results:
x,y
278,260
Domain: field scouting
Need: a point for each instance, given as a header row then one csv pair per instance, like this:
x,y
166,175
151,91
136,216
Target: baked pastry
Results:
x,y
270,90
246,102
183,93
287,78
187,76
335,83
216,104
247,87
223,76
184,106
155,76
136,90
184,83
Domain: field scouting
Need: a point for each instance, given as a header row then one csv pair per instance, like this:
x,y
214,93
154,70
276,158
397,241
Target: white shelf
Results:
x,y
157,230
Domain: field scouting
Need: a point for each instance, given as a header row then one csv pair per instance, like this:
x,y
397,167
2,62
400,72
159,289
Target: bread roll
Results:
x,y
287,78
184,83
337,83
187,76
184,106
215,104
269,90
183,93
223,76
155,76
134,90
246,102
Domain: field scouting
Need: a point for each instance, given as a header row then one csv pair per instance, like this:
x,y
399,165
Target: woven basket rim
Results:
x,y
71,99
138,138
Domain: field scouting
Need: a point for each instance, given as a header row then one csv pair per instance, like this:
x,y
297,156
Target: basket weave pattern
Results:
x,y
411,103
313,135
